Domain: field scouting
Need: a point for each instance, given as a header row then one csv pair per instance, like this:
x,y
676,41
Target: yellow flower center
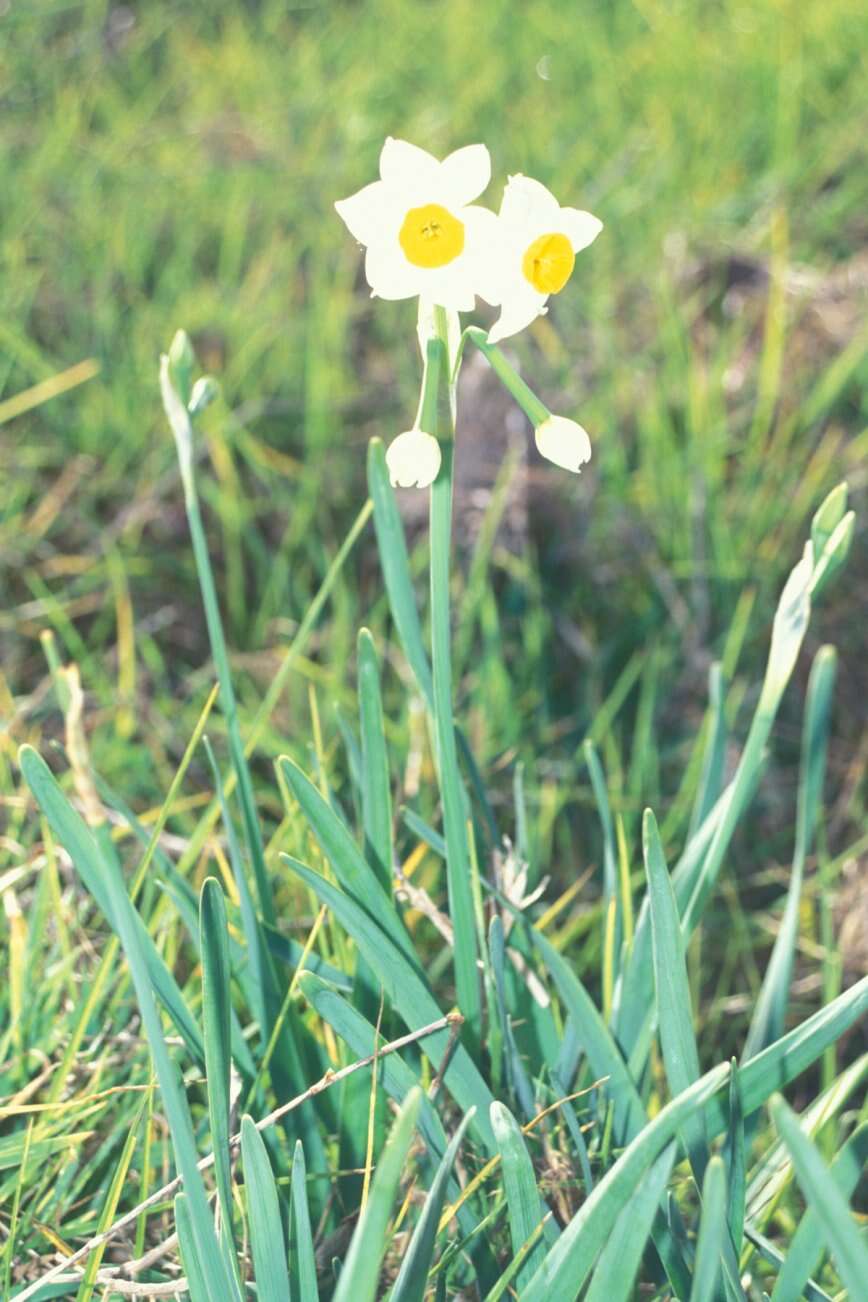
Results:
x,y
431,236
548,263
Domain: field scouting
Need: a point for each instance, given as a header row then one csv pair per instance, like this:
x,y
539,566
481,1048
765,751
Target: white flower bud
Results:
x,y
564,442
413,459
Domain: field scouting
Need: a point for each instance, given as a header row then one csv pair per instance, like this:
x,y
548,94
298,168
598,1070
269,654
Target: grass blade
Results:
x,y
619,1262
568,1263
767,1022
520,1185
408,991
65,824
376,785
197,1284
361,1269
674,1009
807,1244
74,834
712,1231
302,1255
216,1006
263,1217
413,1275
824,1196
734,1157
355,874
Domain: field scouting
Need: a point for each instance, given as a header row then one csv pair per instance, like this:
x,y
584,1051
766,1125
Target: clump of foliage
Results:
x,y
326,1128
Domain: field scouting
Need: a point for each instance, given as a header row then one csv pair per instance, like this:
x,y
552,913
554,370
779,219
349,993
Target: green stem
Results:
x,y
182,429
535,410
457,861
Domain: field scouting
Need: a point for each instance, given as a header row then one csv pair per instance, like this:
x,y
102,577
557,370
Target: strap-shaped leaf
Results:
x,y
568,1263
263,1218
619,1262
413,1275
712,1232
520,1185
825,1197
302,1254
361,1269
409,993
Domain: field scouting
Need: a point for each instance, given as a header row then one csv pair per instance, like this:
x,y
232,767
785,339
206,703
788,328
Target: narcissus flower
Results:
x,y
534,254
564,442
413,459
422,234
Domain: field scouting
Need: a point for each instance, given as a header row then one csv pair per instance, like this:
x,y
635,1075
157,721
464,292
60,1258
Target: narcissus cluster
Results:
x,y
425,238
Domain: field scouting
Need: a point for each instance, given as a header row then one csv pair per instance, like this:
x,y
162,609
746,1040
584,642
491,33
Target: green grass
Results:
x,y
181,170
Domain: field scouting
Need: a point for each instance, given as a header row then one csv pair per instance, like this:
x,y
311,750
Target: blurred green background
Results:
x,y
166,165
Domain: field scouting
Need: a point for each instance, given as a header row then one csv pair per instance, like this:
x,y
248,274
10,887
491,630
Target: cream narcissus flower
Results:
x,y
534,254
422,233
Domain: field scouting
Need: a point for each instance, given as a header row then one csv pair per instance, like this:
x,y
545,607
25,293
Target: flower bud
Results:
x,y
413,459
564,442
205,390
182,360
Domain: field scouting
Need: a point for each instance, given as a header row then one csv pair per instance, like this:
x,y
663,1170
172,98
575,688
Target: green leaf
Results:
x,y
408,991
520,1185
674,1009
834,554
216,1006
792,1054
396,569
413,1275
303,1256
824,1196
619,1262
772,1173
827,518
735,1160
360,1272
350,866
376,785
71,831
712,1232
807,1244
263,1218
767,1022
568,1263
197,1284
358,1033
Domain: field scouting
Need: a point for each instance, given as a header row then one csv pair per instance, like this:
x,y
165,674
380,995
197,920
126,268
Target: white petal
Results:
x,y
408,169
518,310
389,273
465,173
450,286
529,206
580,228
493,260
369,214
413,459
564,442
